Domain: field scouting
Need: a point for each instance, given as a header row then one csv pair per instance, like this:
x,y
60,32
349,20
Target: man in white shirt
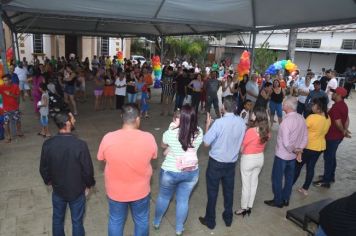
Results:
x,y
22,74
120,90
303,91
332,84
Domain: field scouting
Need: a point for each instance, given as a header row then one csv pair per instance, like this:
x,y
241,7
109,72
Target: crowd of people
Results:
x,y
312,120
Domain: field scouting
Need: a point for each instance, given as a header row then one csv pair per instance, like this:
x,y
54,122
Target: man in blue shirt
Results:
x,y
225,138
316,93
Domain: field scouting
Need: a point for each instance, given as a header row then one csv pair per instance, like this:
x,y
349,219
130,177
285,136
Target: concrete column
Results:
x,y
292,42
2,46
252,51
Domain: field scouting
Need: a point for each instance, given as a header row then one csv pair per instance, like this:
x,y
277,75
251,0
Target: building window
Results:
x,y
308,43
348,44
37,43
105,46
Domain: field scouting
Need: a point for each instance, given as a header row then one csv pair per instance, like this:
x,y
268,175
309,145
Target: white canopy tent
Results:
x,y
122,18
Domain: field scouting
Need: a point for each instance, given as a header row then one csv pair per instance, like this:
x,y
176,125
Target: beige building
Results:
x,y
44,45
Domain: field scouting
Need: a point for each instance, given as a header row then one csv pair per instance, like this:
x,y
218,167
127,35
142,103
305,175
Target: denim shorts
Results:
x,y
23,85
275,107
69,89
12,115
44,120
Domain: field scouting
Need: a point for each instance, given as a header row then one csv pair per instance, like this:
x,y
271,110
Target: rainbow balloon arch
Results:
x,y
287,65
157,71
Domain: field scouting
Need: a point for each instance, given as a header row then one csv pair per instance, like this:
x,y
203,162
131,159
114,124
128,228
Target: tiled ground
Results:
x,y
25,202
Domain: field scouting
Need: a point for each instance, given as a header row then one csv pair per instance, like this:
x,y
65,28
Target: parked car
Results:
x,y
136,58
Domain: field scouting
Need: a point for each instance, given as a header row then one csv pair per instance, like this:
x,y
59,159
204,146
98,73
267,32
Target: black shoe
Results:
x,y
243,212
321,184
285,203
321,177
228,224
272,204
203,222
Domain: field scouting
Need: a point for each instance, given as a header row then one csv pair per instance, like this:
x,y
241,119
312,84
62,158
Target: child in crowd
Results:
x,y
174,124
245,113
144,104
109,90
43,107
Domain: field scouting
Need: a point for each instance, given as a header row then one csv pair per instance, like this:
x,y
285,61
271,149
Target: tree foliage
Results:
x,y
184,47
264,56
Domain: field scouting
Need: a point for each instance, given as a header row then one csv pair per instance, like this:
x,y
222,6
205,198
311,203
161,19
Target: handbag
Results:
x,y
187,100
188,161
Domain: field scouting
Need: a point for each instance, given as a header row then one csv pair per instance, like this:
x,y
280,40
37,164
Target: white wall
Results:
x,y
329,41
302,59
47,45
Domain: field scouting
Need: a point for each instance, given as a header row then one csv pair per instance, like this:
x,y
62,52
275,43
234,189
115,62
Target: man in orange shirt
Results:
x,y
127,153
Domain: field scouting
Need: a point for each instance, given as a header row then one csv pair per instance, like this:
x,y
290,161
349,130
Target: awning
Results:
x,y
119,18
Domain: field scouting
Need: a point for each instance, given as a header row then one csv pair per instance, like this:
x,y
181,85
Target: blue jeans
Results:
x,y
212,99
179,101
183,184
301,108
216,172
282,168
275,107
77,209
320,232
309,157
140,211
196,101
131,97
2,127
330,160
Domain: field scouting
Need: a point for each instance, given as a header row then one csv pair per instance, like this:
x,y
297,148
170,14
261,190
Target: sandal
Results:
x,y
303,191
8,140
40,134
20,135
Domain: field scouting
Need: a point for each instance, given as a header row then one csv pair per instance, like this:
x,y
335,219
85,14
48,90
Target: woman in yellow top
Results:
x,y
318,125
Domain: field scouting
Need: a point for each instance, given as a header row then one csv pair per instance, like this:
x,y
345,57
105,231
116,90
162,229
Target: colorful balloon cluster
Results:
x,y
9,56
120,57
281,65
243,68
157,71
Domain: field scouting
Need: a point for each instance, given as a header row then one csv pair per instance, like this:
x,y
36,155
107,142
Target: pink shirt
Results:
x,y
251,143
128,155
292,135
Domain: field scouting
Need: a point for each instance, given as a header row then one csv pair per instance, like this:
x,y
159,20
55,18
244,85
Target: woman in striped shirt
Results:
x,y
179,171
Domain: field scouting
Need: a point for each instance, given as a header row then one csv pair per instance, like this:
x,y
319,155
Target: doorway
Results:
x,y
71,45
344,61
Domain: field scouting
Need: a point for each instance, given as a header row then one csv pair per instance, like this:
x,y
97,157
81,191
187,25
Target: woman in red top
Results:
x,y
252,158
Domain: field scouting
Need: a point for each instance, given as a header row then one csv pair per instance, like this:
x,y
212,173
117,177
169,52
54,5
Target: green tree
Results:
x,y
264,56
186,46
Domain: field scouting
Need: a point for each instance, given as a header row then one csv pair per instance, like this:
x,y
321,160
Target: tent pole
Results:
x,y
292,42
162,49
2,45
122,45
15,46
252,50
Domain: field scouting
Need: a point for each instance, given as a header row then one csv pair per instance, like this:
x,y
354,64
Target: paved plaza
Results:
x,y
25,202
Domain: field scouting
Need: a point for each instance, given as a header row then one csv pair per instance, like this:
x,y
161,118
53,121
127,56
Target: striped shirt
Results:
x,y
170,137
168,86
